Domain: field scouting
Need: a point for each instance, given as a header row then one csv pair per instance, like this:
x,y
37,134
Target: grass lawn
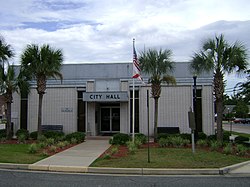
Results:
x,y
171,158
18,153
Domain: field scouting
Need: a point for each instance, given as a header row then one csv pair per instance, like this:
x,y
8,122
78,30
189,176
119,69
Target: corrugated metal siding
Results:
x,y
59,107
174,104
208,110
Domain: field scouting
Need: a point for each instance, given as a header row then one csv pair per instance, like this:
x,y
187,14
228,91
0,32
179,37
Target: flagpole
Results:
x,y
133,105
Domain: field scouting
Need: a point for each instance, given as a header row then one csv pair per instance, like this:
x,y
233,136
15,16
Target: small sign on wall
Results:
x,y
66,109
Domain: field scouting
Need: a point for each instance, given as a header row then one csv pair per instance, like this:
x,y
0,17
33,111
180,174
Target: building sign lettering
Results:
x,y
107,96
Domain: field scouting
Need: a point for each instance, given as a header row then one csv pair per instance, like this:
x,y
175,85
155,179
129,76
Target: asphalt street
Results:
x,y
237,127
30,179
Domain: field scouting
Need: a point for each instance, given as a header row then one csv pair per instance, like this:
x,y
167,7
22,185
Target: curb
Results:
x,y
227,169
134,171
14,166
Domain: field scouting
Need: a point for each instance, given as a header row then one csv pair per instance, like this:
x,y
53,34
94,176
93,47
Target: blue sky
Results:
x,y
102,31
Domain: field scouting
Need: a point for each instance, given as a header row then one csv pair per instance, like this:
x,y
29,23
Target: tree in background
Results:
x,y
41,63
158,65
219,56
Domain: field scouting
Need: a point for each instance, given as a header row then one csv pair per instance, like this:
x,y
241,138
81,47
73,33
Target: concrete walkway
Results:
x,y
77,158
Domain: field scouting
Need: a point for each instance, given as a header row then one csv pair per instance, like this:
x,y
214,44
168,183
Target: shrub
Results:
x,y
241,149
177,141
141,137
33,135
53,134
214,145
73,141
53,148
202,136
186,142
120,139
226,135
22,132
202,143
79,136
114,150
241,139
228,149
212,138
164,142
186,136
61,144
41,138
2,133
33,148
163,135
21,138
42,144
50,141
131,147
106,156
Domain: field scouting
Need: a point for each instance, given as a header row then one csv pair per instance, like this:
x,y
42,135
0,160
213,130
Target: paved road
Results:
x,y
242,128
37,179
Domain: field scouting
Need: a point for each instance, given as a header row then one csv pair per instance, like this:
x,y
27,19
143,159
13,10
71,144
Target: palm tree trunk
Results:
x,y
39,125
156,118
219,108
8,125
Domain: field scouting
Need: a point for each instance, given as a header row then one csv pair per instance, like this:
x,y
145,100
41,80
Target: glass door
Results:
x,y
110,119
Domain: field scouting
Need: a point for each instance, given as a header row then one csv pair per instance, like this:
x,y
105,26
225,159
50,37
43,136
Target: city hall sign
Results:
x,y
105,96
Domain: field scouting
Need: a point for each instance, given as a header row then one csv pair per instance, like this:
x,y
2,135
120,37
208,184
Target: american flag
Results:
x,y
136,66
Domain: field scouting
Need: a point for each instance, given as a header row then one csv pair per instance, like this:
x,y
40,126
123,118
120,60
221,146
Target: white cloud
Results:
x,y
102,31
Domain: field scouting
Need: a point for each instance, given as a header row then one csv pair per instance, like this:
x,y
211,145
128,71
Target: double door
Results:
x,y
110,119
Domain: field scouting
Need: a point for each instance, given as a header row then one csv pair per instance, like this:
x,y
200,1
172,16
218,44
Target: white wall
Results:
x,y
59,107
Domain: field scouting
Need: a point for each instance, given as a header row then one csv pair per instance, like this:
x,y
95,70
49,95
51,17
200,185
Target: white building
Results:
x,y
97,99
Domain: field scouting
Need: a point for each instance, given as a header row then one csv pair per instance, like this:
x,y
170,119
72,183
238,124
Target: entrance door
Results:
x,y
110,119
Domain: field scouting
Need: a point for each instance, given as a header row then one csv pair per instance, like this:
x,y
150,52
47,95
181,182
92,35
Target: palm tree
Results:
x,y
218,56
157,64
5,52
8,85
6,80
41,63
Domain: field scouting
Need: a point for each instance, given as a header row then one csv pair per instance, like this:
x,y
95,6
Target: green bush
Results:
x,y
202,143
141,137
114,150
241,150
52,148
212,138
165,142
2,133
50,141
73,141
79,136
186,136
131,147
177,141
214,145
22,132
41,138
226,135
33,135
228,149
33,148
163,135
241,139
120,139
202,136
21,138
54,134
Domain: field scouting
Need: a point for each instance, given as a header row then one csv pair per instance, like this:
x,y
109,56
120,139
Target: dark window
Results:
x,y
199,110
80,112
136,110
24,111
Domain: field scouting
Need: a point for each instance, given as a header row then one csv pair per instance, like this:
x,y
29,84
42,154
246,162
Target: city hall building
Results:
x,y
97,99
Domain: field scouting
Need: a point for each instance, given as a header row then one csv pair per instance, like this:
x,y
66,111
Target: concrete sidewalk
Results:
x,y
76,159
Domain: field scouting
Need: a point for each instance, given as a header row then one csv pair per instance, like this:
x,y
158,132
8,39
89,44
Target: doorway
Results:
x,y
110,119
